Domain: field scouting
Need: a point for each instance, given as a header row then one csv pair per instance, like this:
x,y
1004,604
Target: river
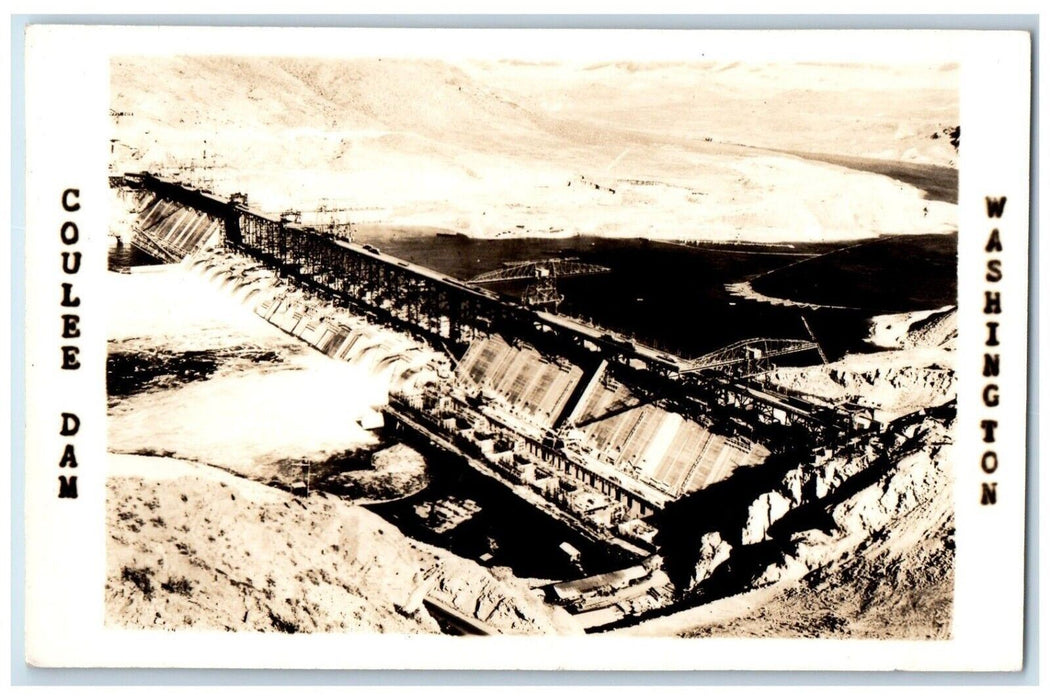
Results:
x,y
674,296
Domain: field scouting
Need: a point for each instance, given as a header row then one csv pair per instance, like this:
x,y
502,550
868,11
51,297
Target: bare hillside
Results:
x,y
491,149
191,546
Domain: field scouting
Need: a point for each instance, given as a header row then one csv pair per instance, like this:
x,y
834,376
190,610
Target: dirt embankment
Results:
x,y
195,547
938,328
916,372
855,539
893,384
873,558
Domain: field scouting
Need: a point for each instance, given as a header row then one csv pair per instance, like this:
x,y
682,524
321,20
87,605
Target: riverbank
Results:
x,y
745,290
190,546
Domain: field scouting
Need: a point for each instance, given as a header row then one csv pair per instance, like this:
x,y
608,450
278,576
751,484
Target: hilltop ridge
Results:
x,y
673,151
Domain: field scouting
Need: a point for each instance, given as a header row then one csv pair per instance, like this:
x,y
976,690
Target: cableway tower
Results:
x,y
542,291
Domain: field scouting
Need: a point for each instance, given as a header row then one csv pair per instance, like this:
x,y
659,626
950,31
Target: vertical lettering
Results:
x,y
993,338
989,462
67,487
71,268
69,198
71,261
995,271
995,206
67,295
70,424
69,458
70,234
992,303
70,329
69,357
994,244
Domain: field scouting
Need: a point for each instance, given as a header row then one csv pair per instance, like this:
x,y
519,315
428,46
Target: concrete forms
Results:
x,y
620,460
621,440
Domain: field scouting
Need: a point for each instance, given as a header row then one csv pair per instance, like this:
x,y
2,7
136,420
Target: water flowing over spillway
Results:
x,y
399,359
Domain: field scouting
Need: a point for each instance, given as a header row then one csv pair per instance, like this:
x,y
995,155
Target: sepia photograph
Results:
x,y
543,348
375,349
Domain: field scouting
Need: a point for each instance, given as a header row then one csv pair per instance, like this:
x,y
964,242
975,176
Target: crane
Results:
x,y
748,357
542,290
823,357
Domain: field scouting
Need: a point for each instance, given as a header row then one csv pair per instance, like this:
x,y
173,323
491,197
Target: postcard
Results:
x,y
526,349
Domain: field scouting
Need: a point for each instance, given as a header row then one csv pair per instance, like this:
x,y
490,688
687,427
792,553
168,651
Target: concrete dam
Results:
x,y
593,429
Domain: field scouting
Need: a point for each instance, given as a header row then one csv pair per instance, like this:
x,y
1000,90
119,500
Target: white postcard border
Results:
x,y
67,95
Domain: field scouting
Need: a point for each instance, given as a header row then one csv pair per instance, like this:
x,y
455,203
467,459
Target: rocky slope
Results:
x,y
853,539
191,546
891,383
938,328
917,373
881,564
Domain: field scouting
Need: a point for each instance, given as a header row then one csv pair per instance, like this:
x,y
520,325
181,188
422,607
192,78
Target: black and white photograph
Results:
x,y
538,348
428,345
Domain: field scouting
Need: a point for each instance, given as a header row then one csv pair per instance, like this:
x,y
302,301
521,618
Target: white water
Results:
x,y
242,418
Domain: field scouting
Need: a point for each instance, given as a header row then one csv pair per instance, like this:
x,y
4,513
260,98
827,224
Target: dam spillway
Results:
x,y
599,431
